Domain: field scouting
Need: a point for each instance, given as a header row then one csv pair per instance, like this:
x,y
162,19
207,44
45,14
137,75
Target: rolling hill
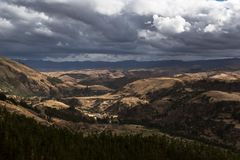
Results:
x,y
204,106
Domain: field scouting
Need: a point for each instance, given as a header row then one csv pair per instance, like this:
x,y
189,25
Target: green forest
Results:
x,y
22,138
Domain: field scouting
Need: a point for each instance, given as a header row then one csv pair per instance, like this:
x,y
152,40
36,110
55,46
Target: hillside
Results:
x,y
19,79
25,137
204,106
16,78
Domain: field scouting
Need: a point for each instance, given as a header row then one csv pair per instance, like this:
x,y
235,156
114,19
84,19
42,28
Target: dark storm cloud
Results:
x,y
107,29
117,28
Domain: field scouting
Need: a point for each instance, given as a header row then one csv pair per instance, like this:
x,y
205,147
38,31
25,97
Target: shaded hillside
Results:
x,y
204,106
23,139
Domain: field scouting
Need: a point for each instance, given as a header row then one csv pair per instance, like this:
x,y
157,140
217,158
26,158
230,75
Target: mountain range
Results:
x,y
196,66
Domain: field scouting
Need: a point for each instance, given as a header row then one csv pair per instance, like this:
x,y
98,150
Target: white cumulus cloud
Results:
x,y
171,25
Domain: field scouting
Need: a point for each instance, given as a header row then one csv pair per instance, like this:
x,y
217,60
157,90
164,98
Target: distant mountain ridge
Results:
x,y
199,65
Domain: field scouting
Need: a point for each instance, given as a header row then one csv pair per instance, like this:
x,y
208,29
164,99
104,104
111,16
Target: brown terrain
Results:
x,y
204,106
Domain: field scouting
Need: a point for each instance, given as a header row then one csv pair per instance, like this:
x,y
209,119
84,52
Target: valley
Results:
x,y
202,106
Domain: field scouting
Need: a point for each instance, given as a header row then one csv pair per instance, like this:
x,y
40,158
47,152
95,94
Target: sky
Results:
x,y
118,30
